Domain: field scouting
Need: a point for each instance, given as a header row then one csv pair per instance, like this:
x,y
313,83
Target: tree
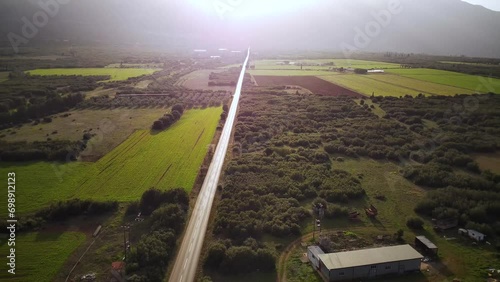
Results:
x,y
216,254
176,115
360,71
179,108
415,223
168,217
158,125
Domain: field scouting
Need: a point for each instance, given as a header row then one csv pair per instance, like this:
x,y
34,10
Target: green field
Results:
x,y
422,86
167,159
115,73
293,72
392,85
39,256
4,76
475,83
346,63
471,64
111,127
143,66
364,85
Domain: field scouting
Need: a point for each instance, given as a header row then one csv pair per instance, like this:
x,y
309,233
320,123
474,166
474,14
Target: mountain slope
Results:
x,y
447,27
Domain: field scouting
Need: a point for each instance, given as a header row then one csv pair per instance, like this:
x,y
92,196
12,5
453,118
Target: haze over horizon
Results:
x,y
447,27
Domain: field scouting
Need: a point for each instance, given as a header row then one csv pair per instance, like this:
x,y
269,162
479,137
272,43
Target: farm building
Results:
x,y
424,244
369,263
376,71
473,234
313,253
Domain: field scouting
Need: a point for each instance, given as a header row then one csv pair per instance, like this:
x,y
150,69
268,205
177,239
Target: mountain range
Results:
x,y
439,27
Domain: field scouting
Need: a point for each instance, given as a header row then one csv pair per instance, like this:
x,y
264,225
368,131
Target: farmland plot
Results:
x,y
165,160
472,82
116,74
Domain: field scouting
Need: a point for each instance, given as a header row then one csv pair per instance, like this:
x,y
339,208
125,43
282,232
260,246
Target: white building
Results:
x,y
313,253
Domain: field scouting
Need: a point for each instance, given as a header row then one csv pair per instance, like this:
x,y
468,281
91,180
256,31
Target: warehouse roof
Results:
x,y
426,242
369,257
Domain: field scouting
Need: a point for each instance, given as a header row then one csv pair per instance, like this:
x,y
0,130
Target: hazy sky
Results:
x,y
490,4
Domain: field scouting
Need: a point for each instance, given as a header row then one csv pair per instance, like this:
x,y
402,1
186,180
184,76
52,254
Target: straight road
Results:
x,y
189,253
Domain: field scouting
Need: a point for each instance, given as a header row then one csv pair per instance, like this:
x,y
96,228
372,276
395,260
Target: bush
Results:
x,y
414,223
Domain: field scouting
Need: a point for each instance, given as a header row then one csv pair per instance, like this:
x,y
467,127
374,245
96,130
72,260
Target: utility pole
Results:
x,y
125,242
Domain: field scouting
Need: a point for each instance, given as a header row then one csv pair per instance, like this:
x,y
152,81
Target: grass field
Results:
x,y
346,63
39,256
471,64
142,66
365,85
199,80
100,91
115,73
293,72
488,162
143,84
272,64
4,76
168,159
475,83
111,126
393,85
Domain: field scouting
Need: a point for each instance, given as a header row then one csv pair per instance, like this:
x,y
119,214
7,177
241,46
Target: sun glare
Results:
x,y
247,9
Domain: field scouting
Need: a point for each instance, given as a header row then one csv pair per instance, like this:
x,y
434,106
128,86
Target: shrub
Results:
x,y
414,223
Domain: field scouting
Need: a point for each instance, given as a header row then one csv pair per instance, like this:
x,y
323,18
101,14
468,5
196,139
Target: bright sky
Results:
x,y
490,4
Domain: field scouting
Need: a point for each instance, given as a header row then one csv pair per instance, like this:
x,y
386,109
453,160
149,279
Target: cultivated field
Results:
x,y
39,256
141,66
312,83
475,83
470,64
111,127
393,85
309,64
290,72
164,160
419,85
115,73
199,80
364,85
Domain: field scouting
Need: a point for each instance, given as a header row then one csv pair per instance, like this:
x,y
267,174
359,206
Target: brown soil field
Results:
x,y
314,84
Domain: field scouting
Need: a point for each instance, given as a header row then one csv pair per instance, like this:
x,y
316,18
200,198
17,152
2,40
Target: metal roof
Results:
x,y
369,257
315,250
426,242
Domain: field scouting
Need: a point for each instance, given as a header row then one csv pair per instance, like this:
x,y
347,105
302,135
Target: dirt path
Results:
x,y
285,255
